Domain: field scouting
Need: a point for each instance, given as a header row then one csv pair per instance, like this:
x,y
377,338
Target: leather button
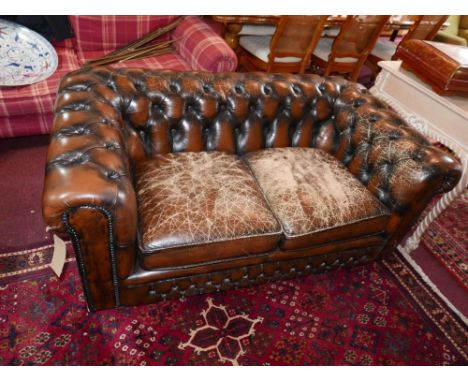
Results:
x,y
296,89
358,103
348,158
364,177
267,89
157,108
417,156
114,175
112,146
374,118
383,195
238,89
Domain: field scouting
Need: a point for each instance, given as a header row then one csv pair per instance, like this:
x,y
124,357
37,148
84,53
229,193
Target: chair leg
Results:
x,y
244,63
357,69
375,69
355,73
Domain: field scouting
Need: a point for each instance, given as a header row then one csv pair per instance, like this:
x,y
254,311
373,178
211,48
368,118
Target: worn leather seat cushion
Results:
x,y
198,207
316,199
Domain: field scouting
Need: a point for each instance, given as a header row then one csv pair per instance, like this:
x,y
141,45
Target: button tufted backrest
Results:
x,y
232,112
166,111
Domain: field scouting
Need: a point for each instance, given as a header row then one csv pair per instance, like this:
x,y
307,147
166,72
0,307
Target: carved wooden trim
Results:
x,y
424,127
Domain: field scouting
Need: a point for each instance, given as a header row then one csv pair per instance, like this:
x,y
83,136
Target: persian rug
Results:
x,y
447,239
20,265
378,314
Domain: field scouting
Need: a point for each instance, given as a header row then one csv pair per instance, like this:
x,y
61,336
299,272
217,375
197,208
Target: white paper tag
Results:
x,y
58,258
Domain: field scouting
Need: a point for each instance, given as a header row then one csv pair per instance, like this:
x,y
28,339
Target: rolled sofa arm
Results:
x,y
88,191
202,48
395,162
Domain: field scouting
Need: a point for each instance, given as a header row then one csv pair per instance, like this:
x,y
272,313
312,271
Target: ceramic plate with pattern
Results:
x,y
25,56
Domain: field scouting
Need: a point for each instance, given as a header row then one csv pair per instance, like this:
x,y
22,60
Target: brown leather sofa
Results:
x,y
173,184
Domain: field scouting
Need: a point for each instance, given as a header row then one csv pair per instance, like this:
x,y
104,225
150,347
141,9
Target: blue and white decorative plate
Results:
x,y
25,56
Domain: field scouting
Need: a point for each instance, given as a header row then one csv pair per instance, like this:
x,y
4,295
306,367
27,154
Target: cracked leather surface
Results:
x,y
192,199
108,122
309,190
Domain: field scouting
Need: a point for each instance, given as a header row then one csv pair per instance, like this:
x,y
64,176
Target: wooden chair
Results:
x,y
288,50
348,52
424,28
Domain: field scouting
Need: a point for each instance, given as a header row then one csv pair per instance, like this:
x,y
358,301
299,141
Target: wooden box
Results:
x,y
443,66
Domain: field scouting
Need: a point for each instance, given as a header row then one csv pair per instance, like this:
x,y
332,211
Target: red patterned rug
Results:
x,y
27,264
379,314
447,239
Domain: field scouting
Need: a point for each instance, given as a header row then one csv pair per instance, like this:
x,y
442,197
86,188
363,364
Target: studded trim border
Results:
x,y
75,237
247,280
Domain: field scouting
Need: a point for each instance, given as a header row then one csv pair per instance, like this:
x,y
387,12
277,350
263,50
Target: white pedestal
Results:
x,y
444,119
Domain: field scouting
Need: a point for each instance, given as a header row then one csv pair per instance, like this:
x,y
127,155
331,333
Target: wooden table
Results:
x,y
234,25
444,119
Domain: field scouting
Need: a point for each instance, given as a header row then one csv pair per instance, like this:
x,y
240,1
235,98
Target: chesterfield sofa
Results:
x,y
173,184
